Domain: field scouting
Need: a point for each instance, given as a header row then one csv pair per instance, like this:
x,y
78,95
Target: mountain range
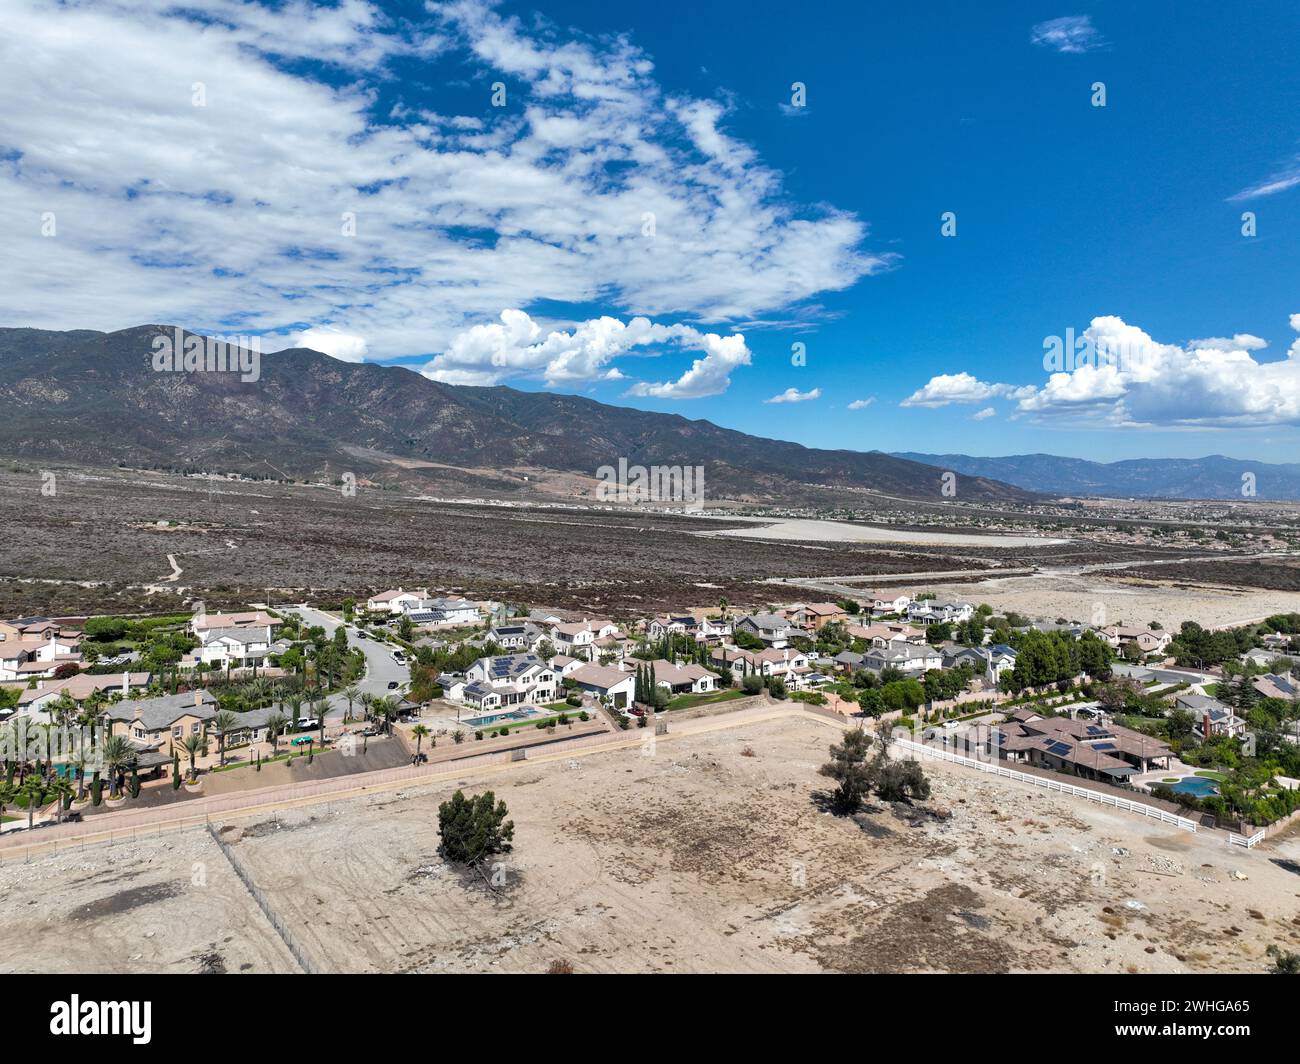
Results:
x,y
1211,477
96,398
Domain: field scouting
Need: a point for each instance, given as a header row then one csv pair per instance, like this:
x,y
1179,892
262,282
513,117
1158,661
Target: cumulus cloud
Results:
x,y
957,388
861,404
710,375
258,166
1074,34
981,415
794,395
330,341
1122,377
516,347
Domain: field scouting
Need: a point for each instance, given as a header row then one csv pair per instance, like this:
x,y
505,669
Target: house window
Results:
x,y
177,732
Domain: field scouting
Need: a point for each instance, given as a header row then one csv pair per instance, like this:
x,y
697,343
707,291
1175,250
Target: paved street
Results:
x,y
381,669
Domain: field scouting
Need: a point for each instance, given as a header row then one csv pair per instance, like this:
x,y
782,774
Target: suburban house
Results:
x,y
169,717
446,611
234,648
812,616
771,628
79,688
1272,685
883,633
990,662
522,635
681,679
36,646
907,658
508,680
395,602
1148,641
1105,752
675,624
565,665
848,661
931,612
1215,718
577,639
203,622
613,685
882,602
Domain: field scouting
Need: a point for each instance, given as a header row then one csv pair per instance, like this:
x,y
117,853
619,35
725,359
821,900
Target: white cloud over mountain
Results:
x,y
516,347
292,201
794,395
1131,380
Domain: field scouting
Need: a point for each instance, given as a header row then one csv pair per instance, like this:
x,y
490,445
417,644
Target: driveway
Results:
x,y
381,669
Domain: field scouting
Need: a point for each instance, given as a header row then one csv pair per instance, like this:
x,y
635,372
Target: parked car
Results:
x,y
302,740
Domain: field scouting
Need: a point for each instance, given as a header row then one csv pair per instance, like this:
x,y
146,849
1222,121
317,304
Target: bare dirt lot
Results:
x,y
708,855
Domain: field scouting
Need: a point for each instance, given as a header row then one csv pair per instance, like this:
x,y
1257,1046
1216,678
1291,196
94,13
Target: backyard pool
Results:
x,y
1197,786
488,719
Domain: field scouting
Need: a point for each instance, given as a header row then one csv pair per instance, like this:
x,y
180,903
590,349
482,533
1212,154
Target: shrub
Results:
x,y
584,715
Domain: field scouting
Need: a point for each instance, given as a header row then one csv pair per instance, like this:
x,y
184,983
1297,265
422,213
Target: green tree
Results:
x,y
850,769
473,829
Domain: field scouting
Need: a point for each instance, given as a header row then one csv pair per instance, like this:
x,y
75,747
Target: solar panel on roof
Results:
x,y
1059,748
1103,746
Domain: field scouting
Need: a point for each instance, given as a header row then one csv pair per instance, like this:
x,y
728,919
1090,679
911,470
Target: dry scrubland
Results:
x,y
1163,597
708,856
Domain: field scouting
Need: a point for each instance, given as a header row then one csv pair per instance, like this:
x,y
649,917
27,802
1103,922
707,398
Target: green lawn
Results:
x,y
689,701
1210,774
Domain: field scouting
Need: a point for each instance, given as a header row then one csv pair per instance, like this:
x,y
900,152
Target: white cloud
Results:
x,y
981,415
1239,342
794,395
330,341
1285,177
710,375
231,215
515,347
1074,34
861,404
1132,380
957,388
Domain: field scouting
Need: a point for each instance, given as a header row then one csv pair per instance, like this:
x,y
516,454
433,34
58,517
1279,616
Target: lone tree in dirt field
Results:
x,y
849,768
473,829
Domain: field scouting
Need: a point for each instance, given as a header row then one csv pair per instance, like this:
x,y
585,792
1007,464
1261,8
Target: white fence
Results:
x,y
1248,841
1046,782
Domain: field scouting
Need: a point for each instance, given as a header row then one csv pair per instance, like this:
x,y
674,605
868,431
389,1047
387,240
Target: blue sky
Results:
x,y
773,224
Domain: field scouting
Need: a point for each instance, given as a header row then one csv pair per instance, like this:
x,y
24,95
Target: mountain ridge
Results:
x,y
94,397
1213,476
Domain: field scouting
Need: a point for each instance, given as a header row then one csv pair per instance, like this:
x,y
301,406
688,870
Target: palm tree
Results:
x,y
61,789
420,732
352,692
367,704
116,755
275,726
224,723
193,744
33,789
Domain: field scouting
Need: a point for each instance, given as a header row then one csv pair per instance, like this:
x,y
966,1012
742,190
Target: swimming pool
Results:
x,y
1197,786
489,719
